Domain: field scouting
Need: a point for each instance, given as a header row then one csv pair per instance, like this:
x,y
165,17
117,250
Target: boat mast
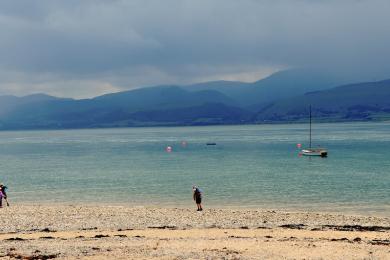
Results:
x,y
310,129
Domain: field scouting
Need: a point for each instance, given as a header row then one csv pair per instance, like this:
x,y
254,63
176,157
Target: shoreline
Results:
x,y
301,121
351,210
228,217
121,232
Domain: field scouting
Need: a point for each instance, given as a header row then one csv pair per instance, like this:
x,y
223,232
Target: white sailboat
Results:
x,y
322,152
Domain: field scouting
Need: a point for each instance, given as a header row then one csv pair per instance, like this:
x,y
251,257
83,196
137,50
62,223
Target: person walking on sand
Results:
x,y
1,198
3,194
197,196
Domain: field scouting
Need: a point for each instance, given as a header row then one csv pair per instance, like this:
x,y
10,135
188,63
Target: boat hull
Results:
x,y
315,152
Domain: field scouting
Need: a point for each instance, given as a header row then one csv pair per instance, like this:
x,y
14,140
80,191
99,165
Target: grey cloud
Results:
x,y
124,44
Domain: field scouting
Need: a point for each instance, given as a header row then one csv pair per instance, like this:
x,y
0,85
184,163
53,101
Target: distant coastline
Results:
x,y
301,121
284,97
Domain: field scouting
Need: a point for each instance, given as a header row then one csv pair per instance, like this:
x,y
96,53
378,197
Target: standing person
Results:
x,y
1,198
3,194
197,195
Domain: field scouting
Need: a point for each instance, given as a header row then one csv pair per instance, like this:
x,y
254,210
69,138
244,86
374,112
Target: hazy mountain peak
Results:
x,y
39,97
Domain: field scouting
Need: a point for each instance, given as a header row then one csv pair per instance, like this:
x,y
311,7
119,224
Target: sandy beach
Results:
x,y
123,232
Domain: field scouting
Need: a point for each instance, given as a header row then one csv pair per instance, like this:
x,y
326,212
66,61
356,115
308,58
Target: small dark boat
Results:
x,y
211,143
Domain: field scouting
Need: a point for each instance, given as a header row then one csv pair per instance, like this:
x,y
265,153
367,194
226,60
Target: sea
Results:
x,y
250,166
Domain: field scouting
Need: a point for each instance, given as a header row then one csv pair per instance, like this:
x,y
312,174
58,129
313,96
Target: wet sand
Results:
x,y
121,232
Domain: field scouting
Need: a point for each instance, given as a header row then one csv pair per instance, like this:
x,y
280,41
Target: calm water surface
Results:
x,y
251,166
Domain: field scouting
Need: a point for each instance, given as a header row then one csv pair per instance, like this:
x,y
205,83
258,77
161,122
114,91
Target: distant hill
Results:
x,y
10,103
161,97
164,105
283,84
282,97
362,101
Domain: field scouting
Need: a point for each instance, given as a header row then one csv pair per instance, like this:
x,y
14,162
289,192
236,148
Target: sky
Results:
x,y
82,49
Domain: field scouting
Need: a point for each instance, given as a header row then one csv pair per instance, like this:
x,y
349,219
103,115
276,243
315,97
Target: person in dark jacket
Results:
x,y
3,194
197,196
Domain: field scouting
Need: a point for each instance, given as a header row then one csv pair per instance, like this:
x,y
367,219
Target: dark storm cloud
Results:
x,y
84,48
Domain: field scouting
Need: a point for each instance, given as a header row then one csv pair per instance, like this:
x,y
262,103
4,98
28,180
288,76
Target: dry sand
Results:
x,y
120,232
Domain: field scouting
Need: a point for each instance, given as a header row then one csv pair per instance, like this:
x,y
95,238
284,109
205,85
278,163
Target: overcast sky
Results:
x,y
85,48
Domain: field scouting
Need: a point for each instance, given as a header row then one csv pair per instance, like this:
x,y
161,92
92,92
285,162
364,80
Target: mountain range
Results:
x,y
282,97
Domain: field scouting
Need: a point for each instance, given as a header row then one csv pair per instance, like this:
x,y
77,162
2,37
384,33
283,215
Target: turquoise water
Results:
x,y
251,166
